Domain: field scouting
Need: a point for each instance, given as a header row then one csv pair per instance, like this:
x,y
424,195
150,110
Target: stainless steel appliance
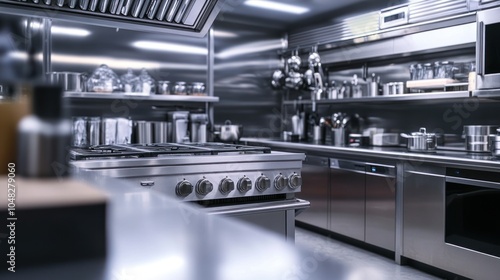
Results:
x,y
253,184
487,46
363,201
199,127
472,212
179,120
478,138
316,176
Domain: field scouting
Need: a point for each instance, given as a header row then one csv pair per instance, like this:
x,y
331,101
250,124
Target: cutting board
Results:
x,y
430,84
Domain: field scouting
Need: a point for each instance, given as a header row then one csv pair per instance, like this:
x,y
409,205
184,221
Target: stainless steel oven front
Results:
x,y
472,210
488,50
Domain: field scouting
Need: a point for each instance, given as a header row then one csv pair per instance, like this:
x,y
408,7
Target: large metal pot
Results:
x,y
495,144
478,137
70,81
229,132
421,141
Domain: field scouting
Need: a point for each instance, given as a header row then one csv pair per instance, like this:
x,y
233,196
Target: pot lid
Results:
x,y
422,132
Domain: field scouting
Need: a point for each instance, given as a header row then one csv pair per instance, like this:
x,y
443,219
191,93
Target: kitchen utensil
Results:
x,y
230,132
108,131
278,80
385,139
143,132
294,63
198,88
477,137
160,132
358,140
180,120
319,134
70,81
103,79
421,141
294,80
495,145
180,88
130,81
164,88
339,137
287,136
199,128
428,71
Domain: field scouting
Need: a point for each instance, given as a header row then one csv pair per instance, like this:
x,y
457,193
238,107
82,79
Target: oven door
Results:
x,y
473,210
274,216
488,49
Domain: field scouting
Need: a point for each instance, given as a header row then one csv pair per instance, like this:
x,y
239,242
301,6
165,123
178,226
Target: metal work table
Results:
x,y
441,156
150,236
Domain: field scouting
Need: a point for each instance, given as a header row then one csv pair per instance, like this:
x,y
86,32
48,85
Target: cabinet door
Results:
x,y
423,215
315,185
381,211
347,204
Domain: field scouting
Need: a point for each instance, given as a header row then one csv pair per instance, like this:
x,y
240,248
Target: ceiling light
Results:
x,y
287,8
168,47
77,32
224,34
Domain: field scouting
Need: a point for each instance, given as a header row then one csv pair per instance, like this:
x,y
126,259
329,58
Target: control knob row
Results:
x,y
204,186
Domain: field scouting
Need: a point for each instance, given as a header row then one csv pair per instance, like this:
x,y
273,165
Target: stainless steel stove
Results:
x,y
252,183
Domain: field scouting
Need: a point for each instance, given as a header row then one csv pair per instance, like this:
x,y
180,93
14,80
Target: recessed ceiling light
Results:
x,y
169,47
77,32
287,8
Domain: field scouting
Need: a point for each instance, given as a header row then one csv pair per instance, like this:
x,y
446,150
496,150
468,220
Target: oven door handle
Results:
x,y
473,182
298,205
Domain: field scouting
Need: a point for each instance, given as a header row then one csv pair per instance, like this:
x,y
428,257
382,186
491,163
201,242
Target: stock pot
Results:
x,y
421,141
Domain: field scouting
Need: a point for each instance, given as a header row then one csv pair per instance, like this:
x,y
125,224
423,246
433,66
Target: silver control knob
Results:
x,y
203,187
295,181
280,182
262,183
183,188
244,184
226,186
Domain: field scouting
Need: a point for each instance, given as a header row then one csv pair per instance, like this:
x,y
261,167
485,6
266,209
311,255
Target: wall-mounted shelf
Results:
x,y
389,98
157,99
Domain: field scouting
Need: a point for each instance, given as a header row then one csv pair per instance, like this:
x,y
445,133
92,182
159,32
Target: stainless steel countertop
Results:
x,y
441,156
150,236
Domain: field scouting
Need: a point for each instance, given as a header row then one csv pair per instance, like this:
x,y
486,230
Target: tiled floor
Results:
x,y
368,265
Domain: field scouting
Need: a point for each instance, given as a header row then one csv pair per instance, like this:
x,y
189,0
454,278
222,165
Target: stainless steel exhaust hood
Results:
x,y
184,17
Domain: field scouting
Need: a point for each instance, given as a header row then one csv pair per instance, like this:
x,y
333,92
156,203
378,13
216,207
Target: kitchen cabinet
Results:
x,y
363,201
315,189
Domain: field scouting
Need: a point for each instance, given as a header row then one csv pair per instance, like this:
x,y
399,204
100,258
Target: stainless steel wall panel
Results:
x,y
424,10
345,29
245,58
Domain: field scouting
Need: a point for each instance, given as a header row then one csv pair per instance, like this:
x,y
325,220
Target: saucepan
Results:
x,y
421,141
228,132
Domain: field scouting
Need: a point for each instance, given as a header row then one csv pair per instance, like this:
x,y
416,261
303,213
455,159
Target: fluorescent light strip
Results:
x,y
66,31
275,6
169,47
224,34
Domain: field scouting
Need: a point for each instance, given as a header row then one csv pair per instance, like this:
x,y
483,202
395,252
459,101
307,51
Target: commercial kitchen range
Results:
x,y
298,88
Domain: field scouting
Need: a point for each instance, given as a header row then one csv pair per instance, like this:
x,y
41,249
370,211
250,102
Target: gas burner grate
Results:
x,y
163,149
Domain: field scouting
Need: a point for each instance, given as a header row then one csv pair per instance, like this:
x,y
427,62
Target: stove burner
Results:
x,y
163,149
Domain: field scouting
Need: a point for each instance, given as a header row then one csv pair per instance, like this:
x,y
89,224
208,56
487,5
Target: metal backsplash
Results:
x,y
245,58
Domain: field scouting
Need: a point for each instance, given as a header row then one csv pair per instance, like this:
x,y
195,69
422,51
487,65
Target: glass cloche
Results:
x,y
103,79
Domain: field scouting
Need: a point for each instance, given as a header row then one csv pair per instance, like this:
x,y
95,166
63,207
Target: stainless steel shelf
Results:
x,y
156,98
389,98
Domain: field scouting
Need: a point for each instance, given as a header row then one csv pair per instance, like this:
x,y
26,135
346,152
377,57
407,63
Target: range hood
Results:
x,y
184,17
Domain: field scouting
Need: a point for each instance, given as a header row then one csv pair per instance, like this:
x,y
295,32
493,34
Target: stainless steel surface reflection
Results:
x,y
152,237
